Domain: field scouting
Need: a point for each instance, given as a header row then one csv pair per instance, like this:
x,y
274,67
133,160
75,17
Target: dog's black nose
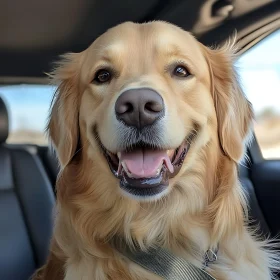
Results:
x,y
139,107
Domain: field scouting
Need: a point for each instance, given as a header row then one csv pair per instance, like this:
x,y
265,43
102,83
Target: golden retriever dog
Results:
x,y
149,126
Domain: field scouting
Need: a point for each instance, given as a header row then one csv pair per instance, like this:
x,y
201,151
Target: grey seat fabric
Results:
x,y
26,203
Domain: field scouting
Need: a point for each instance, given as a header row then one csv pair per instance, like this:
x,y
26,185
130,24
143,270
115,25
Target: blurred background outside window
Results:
x,y
259,70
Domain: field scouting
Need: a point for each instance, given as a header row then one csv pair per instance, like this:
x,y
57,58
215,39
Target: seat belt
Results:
x,y
163,263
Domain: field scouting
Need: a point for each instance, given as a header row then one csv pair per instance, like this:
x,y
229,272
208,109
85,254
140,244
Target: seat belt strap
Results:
x,y
163,263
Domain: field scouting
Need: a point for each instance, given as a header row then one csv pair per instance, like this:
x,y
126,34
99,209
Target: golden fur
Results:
x,y
205,205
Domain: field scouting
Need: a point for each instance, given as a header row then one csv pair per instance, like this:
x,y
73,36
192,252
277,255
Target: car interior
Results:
x,y
34,33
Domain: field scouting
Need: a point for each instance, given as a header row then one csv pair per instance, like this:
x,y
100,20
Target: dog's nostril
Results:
x,y
125,108
153,107
129,108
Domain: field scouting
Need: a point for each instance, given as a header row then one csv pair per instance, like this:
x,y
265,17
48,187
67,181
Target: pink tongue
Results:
x,y
145,163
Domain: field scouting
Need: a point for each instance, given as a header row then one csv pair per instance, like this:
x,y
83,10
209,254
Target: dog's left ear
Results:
x,y
63,126
234,111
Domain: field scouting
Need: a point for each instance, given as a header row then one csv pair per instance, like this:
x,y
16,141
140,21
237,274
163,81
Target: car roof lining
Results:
x,y
33,33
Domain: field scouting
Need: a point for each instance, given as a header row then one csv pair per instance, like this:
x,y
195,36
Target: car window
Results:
x,y
259,70
28,107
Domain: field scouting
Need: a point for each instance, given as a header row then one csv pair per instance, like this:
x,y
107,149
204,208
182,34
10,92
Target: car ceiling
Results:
x,y
34,32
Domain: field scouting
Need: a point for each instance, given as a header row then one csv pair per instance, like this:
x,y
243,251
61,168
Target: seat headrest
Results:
x,y
4,122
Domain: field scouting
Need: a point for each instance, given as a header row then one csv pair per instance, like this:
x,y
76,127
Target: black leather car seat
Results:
x,y
26,203
256,216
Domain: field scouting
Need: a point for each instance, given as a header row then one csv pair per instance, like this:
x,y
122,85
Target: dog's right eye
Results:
x,y
102,76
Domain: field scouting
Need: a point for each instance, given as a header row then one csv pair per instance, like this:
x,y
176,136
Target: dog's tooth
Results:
x,y
126,170
119,169
158,171
124,166
119,154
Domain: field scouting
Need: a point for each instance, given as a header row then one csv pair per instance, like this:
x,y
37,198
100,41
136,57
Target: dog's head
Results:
x,y
142,104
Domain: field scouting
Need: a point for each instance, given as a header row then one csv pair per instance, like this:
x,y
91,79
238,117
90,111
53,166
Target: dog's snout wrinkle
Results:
x,y
139,107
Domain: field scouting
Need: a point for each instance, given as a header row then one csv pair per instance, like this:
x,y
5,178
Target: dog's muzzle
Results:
x,y
143,163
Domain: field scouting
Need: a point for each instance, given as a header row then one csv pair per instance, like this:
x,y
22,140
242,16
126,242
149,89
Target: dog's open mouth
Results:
x,y
144,171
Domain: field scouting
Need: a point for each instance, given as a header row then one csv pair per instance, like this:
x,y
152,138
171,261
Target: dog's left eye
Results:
x,y
102,76
181,71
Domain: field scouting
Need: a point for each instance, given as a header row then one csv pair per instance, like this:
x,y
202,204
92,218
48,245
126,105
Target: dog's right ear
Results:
x,y
63,125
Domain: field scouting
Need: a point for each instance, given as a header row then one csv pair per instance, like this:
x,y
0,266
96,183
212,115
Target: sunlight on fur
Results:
x,y
201,207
